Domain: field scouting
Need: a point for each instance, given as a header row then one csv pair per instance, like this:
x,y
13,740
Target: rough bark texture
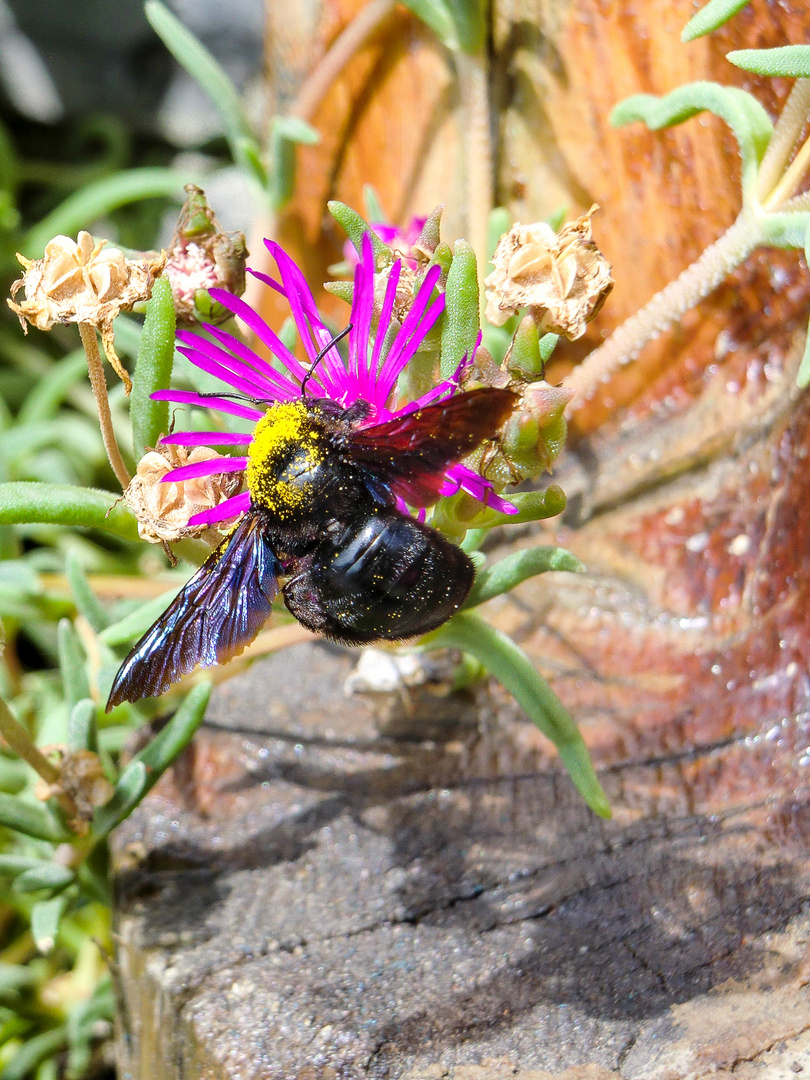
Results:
x,y
323,902
307,897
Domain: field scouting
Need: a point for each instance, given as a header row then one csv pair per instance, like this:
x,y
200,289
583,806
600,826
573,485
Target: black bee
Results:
x,y
324,517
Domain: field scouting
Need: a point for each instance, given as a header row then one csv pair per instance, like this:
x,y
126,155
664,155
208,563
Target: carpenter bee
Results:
x,y
325,518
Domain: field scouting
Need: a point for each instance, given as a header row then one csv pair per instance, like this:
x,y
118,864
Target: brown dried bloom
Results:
x,y
562,278
203,257
162,509
81,281
82,782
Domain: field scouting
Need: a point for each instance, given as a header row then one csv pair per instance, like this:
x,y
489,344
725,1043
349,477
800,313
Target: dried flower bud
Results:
x,y
82,281
82,780
563,279
203,257
162,509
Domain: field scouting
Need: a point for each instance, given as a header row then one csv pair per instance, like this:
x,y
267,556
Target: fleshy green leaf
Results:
x,y
82,726
31,819
743,113
532,506
355,225
787,61
86,601
72,663
129,790
371,202
25,502
45,917
514,671
33,1052
710,17
206,71
786,229
137,622
470,18
285,133
146,768
48,875
435,14
98,199
47,394
461,319
153,370
11,865
548,343
508,572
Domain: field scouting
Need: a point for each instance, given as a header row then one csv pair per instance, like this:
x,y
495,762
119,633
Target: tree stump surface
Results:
x,y
325,901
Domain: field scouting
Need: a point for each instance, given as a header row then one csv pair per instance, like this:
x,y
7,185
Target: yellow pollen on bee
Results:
x,y
284,432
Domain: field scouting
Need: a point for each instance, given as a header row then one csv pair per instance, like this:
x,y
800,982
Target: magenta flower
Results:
x,y
401,240
367,374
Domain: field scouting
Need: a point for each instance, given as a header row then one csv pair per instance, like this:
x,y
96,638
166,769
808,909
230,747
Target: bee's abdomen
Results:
x,y
385,576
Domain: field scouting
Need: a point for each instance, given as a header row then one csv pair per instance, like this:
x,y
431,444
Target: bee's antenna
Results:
x,y
321,355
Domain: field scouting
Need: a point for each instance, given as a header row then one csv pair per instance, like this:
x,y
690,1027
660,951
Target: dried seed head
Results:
x,y
562,278
82,780
162,509
203,257
82,281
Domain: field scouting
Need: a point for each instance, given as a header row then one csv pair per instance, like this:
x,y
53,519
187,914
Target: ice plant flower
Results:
x,y
400,239
368,375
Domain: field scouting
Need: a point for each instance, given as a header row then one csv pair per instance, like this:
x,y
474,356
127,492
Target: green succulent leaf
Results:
x,y
48,875
285,133
146,768
745,116
34,1052
355,226
86,601
82,726
153,370
129,790
31,819
514,671
786,61
436,15
138,621
205,70
507,573
26,502
710,17
461,319
45,918
72,663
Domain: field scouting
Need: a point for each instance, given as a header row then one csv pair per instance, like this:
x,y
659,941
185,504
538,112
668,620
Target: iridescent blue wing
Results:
x,y
411,453
214,616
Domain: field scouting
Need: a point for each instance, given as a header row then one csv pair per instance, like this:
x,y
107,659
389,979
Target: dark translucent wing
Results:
x,y
212,618
411,453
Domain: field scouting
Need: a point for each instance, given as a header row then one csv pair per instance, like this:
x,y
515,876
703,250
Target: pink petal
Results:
x,y
206,438
189,397
228,508
261,330
196,346
362,308
382,330
212,467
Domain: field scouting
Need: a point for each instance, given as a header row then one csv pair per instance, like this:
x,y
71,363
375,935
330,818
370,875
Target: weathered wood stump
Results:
x,y
321,901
